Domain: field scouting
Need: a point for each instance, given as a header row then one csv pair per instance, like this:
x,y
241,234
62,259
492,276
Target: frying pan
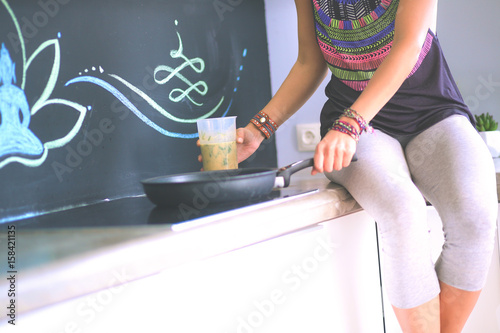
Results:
x,y
211,187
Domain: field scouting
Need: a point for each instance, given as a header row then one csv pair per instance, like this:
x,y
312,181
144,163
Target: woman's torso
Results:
x,y
355,36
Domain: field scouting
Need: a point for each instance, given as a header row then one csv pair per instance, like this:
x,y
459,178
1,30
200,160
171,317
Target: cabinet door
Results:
x,y
323,279
357,272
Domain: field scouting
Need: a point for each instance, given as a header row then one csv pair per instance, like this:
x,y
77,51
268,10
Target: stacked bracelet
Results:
x,y
353,114
265,124
346,128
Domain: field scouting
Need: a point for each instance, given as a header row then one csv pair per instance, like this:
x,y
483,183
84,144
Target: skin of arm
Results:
x,y
413,20
304,78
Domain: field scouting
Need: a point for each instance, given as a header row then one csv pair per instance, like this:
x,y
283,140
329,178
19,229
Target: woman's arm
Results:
x,y
307,73
413,20
304,78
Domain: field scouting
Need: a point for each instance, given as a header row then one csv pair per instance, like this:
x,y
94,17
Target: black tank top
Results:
x,y
355,36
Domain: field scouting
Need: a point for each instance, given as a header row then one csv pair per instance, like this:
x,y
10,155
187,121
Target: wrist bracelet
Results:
x,y
363,125
346,128
265,124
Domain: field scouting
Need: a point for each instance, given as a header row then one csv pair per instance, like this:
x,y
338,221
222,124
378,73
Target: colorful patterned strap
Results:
x,y
346,128
265,124
363,124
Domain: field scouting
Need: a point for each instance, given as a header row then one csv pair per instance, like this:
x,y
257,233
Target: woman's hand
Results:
x,y
334,152
248,140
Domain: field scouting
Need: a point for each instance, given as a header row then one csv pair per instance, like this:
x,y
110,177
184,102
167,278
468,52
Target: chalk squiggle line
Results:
x,y
182,93
54,74
161,110
58,143
179,53
27,62
115,92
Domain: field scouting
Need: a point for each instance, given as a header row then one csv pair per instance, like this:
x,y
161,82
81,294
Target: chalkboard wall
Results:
x,y
96,95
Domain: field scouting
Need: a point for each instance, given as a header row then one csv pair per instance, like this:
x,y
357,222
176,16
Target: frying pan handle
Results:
x,y
284,173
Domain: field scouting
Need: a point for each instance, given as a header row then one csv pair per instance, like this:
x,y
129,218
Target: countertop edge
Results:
x,y
147,255
150,254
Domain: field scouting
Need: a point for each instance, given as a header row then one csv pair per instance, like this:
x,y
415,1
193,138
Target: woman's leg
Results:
x,y
381,183
452,167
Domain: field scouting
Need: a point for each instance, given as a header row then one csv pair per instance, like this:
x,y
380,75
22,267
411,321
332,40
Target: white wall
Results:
x,y
469,36
282,39
471,42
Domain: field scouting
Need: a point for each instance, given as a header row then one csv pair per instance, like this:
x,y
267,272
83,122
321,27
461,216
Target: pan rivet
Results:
x,y
263,120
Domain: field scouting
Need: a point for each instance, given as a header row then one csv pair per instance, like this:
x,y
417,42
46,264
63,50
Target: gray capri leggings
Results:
x,y
451,167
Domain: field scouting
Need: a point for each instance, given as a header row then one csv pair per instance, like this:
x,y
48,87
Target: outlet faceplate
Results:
x,y
308,136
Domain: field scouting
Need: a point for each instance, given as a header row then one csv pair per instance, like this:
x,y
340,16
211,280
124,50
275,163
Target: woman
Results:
x,y
388,71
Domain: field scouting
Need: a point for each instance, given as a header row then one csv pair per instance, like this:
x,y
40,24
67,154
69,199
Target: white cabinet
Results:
x,y
324,279
357,274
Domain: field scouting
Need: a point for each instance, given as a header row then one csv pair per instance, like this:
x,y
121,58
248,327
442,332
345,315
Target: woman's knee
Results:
x,y
471,226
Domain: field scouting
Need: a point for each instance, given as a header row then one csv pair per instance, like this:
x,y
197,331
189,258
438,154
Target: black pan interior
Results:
x,y
209,176
201,189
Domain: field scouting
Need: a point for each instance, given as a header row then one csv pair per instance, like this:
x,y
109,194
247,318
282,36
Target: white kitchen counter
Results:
x,y
60,264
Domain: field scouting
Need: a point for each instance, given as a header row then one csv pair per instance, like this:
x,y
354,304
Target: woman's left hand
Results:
x,y
334,152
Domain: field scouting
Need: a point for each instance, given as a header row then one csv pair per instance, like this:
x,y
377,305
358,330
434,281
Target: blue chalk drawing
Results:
x,y
17,142
15,136
121,97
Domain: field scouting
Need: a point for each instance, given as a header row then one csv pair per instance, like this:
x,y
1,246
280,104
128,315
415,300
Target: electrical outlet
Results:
x,y
308,136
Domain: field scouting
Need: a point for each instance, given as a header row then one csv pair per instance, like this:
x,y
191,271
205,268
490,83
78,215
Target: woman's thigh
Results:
x,y
454,170
452,166
380,179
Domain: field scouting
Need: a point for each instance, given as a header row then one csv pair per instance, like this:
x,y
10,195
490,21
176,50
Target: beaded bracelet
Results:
x,y
265,124
353,114
346,128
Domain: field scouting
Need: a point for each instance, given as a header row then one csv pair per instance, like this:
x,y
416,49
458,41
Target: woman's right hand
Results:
x,y
248,140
